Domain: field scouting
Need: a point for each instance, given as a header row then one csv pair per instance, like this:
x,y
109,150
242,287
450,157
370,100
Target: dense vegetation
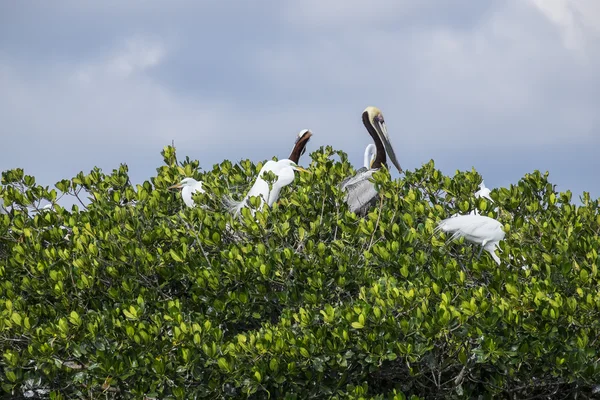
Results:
x,y
136,295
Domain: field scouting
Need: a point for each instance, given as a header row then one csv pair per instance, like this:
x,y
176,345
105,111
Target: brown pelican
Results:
x,y
478,229
283,169
361,193
188,187
300,145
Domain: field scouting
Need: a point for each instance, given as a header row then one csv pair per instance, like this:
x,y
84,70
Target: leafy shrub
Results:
x,y
134,295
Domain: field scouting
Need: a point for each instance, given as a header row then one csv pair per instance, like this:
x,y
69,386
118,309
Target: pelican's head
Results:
x,y
304,136
303,133
300,144
373,116
184,182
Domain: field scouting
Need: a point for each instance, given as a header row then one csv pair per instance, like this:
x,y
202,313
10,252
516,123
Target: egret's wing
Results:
x,y
198,187
490,248
361,193
485,192
460,225
231,205
474,228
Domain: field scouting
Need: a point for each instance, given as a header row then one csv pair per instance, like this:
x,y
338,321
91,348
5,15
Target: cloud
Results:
x,y
577,20
108,109
499,75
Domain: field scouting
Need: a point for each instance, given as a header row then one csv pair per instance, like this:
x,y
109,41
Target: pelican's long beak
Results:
x,y
385,139
302,170
175,186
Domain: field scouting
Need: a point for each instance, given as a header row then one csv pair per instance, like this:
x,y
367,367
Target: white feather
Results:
x,y
479,229
283,169
483,192
189,186
369,157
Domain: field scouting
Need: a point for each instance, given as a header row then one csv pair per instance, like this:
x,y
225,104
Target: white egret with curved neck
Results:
x,y
360,190
369,157
478,229
188,187
283,170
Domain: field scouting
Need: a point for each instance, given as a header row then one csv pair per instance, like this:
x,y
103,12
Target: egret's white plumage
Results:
x,y
369,156
188,187
478,229
483,192
360,190
283,169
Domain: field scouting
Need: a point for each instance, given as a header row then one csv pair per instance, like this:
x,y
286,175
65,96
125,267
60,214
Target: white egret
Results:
x,y
361,193
483,192
283,169
478,229
369,157
188,187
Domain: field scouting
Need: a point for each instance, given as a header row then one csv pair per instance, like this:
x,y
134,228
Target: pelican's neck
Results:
x,y
299,148
379,149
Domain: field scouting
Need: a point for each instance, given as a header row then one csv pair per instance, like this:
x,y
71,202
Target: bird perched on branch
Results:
x,y
483,192
479,229
283,170
188,187
360,190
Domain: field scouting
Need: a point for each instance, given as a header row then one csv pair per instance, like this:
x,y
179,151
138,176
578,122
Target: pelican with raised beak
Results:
x,y
360,190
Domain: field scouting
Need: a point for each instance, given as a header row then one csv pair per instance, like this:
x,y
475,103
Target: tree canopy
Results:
x,y
134,295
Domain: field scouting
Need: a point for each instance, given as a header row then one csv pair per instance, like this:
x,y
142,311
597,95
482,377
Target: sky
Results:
x,y
502,86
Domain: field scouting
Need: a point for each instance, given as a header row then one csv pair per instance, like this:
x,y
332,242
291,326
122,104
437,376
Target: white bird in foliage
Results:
x,y
283,170
369,157
2,209
478,229
188,187
361,193
483,192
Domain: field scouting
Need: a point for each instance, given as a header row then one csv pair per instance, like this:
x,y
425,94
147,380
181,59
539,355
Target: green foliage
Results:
x,y
131,294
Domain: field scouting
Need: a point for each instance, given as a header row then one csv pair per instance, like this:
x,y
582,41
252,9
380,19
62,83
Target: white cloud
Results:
x,y
499,75
69,117
138,55
133,58
578,21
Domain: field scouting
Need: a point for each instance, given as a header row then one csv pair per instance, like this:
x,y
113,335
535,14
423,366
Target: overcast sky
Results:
x,y
505,86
